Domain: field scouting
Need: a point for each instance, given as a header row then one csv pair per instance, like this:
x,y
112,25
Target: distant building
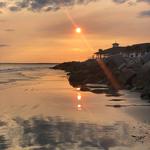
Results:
x,y
98,54
137,50
115,45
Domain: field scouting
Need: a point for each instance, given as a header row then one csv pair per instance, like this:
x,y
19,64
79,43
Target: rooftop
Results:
x,y
128,49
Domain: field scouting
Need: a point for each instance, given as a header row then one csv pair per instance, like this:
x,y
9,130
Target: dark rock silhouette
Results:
x,y
130,73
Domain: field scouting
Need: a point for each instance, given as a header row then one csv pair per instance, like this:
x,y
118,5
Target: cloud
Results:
x,y
120,1
53,5
42,5
147,1
3,45
145,13
14,8
2,4
9,30
2,20
131,2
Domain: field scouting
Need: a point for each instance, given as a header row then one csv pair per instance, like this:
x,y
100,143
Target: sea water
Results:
x,y
39,110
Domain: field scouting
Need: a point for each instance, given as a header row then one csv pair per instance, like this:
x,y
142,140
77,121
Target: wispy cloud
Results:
x,y
14,8
2,20
3,45
2,4
145,13
147,1
120,1
9,30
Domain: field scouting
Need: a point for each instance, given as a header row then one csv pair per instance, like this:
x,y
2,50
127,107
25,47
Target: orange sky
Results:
x,y
40,36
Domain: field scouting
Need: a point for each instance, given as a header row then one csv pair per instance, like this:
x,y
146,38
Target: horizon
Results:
x,y
45,32
67,61
75,74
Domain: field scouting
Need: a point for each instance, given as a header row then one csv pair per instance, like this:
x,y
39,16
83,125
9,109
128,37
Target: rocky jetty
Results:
x,y
129,73
81,73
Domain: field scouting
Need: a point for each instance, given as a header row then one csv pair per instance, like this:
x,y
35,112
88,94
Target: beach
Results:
x,y
40,110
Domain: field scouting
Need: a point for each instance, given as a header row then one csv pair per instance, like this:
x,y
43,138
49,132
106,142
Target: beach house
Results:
x,y
137,50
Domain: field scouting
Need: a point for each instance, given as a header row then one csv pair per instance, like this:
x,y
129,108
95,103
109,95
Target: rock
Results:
x,y
77,78
144,75
68,66
82,72
84,88
146,58
127,76
146,90
144,80
131,74
146,67
115,61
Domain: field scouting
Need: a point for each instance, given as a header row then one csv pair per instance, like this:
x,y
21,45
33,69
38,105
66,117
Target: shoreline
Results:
x,y
48,106
115,72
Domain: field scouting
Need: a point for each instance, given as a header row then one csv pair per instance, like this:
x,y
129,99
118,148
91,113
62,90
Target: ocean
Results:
x,y
10,72
40,110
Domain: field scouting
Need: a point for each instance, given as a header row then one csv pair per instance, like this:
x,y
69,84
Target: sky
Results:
x,y
43,31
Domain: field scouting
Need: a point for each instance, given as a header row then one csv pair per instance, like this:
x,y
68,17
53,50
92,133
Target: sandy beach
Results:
x,y
74,75
43,112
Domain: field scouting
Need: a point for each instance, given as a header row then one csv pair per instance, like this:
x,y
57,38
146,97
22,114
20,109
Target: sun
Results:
x,y
78,30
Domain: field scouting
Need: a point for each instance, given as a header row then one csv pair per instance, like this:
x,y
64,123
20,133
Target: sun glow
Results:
x,y
78,30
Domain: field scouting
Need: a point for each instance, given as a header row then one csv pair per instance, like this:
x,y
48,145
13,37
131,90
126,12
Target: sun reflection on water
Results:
x,y
79,97
78,89
79,100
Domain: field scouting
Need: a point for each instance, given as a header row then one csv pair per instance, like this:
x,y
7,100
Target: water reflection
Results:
x,y
79,100
78,88
51,133
79,96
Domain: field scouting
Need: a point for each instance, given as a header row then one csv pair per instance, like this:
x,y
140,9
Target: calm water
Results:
x,y
39,110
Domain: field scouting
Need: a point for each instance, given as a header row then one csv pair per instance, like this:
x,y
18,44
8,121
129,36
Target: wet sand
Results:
x,y
46,113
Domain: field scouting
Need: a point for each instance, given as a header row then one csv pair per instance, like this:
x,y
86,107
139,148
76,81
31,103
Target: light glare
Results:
x,y
78,30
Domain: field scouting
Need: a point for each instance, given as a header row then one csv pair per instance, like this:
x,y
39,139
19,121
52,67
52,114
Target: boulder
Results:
x,y
131,73
115,61
145,68
144,75
146,58
68,66
146,93
127,75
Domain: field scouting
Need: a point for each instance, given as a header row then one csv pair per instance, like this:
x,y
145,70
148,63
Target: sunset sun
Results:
x,y
78,30
75,74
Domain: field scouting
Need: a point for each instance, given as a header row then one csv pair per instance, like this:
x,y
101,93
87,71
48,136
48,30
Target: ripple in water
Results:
x,y
48,133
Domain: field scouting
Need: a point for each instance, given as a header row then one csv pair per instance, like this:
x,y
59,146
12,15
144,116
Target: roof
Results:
x,y
115,43
127,49
114,50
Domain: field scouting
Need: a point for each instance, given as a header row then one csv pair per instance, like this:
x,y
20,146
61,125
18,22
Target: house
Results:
x,y
137,50
115,45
